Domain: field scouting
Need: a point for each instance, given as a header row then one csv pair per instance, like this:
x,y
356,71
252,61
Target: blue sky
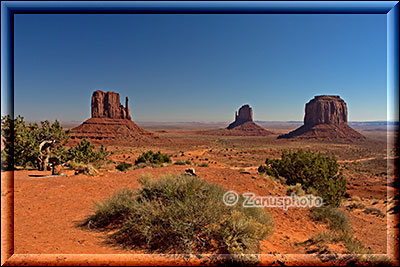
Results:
x,y
199,67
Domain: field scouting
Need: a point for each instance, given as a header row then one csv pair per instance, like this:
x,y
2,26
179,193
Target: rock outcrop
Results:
x,y
242,126
245,114
325,119
107,105
111,123
328,109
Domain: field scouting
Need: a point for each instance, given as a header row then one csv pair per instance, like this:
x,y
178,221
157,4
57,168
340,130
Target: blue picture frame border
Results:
x,y
10,8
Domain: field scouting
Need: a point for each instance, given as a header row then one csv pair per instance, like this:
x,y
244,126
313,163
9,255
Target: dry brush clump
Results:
x,y
180,214
337,220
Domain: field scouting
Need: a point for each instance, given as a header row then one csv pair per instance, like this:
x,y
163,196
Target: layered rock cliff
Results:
x,y
107,105
325,119
111,123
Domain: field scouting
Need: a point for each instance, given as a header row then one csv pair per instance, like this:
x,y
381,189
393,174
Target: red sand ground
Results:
x,y
48,209
70,199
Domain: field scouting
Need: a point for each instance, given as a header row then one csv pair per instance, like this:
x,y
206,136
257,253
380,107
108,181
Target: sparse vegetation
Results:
x,y
123,166
297,189
336,219
355,205
180,214
353,245
310,170
183,162
203,164
374,211
151,157
84,168
340,231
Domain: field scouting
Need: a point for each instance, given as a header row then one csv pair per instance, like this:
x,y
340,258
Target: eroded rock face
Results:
x,y
325,109
111,124
245,114
325,119
107,105
242,126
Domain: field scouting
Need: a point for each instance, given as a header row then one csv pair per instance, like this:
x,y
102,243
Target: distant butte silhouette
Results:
x,y
245,114
325,119
244,125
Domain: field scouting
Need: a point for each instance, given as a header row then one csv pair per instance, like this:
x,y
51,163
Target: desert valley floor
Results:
x,y
47,210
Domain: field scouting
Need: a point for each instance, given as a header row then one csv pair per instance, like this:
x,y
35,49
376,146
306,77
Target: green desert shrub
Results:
x,y
204,164
180,162
123,166
21,141
180,214
151,157
297,189
310,170
336,219
265,169
85,152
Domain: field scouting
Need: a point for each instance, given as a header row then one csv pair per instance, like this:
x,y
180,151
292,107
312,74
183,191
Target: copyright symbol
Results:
x,y
230,198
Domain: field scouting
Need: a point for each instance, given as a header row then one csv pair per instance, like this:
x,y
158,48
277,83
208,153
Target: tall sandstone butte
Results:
x,y
107,105
111,123
244,125
326,119
245,114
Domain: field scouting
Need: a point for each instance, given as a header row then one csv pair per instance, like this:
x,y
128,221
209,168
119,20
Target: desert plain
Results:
x,y
47,209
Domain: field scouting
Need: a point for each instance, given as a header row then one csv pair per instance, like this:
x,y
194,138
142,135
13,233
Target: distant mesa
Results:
x,y
110,123
325,119
242,126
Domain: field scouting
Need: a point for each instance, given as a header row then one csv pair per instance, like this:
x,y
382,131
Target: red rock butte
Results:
x,y
244,115
110,123
325,119
107,105
242,126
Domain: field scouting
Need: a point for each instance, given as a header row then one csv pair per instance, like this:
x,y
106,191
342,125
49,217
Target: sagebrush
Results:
x,y
180,214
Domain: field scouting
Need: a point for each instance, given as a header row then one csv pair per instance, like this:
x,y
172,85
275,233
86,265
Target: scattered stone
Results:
x,y
191,171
